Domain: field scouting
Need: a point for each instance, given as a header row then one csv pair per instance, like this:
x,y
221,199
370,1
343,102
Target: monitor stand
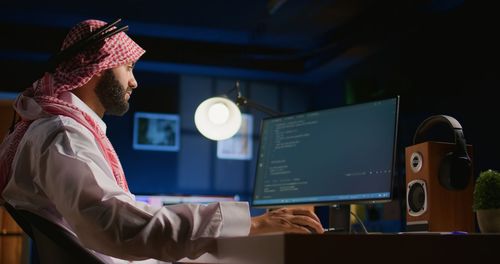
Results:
x,y
339,219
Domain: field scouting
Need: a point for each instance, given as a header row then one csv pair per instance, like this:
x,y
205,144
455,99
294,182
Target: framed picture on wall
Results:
x,y
155,131
240,145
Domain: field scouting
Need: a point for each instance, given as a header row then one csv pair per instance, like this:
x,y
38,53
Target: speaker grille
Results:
x,y
416,161
416,198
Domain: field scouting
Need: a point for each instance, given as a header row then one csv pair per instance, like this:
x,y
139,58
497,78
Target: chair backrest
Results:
x,y
54,243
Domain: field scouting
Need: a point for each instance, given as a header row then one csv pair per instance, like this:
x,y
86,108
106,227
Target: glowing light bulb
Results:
x,y
217,118
218,113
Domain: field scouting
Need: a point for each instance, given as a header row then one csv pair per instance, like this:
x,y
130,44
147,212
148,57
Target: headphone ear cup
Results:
x,y
460,173
445,171
454,172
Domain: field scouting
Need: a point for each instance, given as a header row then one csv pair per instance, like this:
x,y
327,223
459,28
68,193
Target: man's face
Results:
x,y
114,89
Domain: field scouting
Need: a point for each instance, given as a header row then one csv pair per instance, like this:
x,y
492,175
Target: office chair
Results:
x,y
54,244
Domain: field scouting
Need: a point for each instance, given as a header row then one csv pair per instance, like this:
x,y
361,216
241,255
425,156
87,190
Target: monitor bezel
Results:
x,y
338,202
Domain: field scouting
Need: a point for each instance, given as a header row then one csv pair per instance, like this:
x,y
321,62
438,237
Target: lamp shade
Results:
x,y
217,118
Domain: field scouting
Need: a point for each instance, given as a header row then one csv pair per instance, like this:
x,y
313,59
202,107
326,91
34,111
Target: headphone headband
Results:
x,y
452,122
431,121
99,35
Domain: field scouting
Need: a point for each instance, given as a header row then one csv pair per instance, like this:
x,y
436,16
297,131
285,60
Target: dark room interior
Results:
x,y
293,56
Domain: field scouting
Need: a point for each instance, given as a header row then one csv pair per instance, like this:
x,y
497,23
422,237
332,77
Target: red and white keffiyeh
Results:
x,y
42,98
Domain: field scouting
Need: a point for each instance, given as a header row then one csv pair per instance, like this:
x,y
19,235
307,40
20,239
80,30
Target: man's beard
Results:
x,y
112,94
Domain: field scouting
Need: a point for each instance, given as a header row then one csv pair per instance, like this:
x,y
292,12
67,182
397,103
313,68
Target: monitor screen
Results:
x,y
333,156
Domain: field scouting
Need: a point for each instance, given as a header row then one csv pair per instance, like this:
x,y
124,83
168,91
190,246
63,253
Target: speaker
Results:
x,y
439,182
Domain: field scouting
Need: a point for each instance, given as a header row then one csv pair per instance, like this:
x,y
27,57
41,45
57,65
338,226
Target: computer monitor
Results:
x,y
341,155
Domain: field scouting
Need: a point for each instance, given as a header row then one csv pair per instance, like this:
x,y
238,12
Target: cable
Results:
x,y
360,222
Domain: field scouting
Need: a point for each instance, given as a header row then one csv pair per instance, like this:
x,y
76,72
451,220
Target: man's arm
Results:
x,y
76,178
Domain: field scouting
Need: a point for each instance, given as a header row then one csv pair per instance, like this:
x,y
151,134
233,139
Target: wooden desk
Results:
x,y
373,248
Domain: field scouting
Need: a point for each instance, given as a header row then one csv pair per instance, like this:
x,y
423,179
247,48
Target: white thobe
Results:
x,y
60,173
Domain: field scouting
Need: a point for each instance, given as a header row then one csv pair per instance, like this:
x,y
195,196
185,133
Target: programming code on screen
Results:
x,y
340,154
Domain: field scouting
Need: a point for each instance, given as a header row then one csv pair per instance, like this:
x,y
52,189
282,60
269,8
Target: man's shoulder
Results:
x,y
56,129
53,121
55,124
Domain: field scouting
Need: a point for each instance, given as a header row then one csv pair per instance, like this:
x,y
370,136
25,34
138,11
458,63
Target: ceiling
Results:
x,y
286,40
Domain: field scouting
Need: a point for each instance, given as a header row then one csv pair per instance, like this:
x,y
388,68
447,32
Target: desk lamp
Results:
x,y
219,118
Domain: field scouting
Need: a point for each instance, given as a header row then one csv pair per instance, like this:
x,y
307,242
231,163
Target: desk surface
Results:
x,y
382,248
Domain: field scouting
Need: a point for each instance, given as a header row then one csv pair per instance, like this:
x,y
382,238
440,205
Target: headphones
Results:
x,y
99,35
455,167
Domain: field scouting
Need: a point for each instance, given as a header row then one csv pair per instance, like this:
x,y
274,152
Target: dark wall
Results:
x,y
444,65
439,69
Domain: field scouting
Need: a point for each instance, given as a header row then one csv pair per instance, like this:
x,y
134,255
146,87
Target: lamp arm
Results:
x,y
243,101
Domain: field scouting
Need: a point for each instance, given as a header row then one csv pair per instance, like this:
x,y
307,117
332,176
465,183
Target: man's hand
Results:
x,y
290,220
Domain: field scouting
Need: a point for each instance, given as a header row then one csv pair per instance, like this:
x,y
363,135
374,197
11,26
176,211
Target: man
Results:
x,y
59,164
